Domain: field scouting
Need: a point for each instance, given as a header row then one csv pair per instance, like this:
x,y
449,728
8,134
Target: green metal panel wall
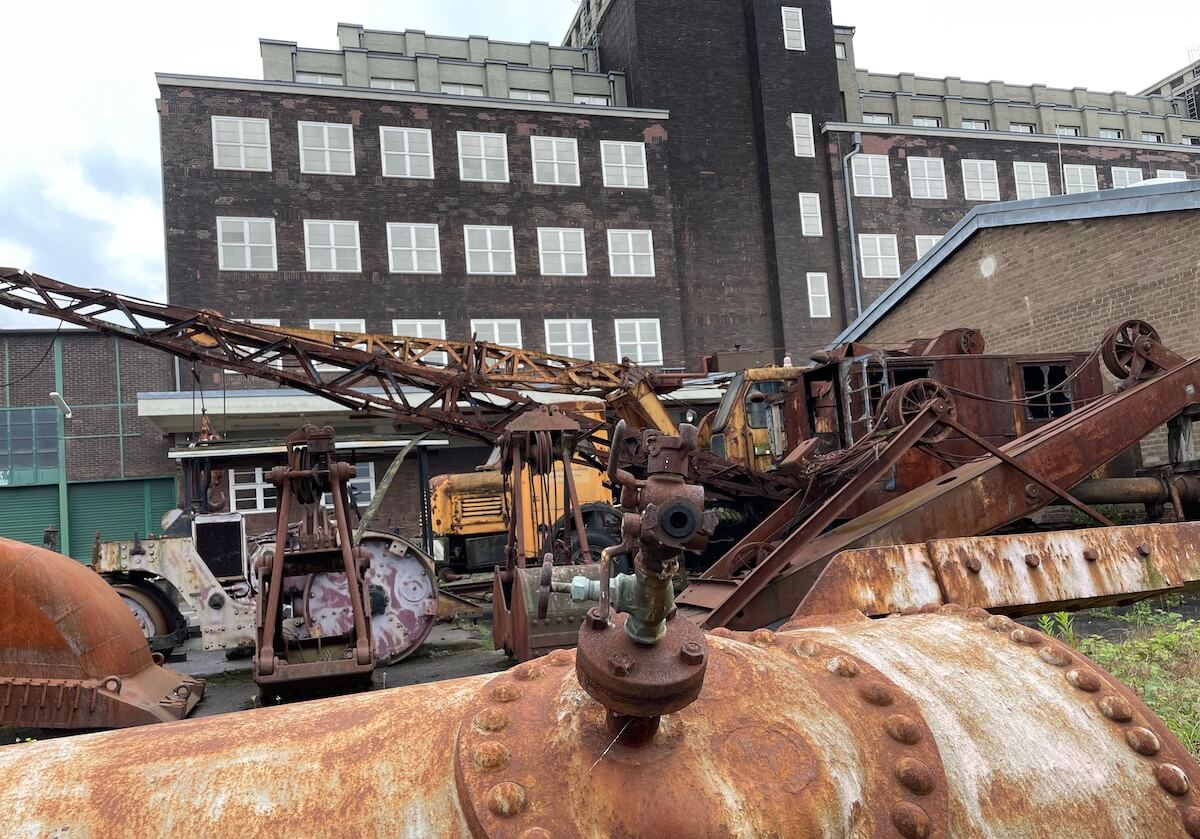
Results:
x,y
117,510
26,511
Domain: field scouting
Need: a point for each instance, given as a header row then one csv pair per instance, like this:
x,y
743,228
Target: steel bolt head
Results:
x,y
877,694
903,729
762,637
1032,491
1033,560
1171,778
1191,816
914,775
216,600
620,664
910,821
1091,554
692,653
595,621
1084,680
492,755
844,667
1023,635
1143,550
1055,656
506,799
1143,741
560,658
1115,708
505,692
491,720
973,564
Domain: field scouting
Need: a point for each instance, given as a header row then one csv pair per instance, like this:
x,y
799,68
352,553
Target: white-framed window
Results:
x,y
246,244
980,182
639,340
352,326
590,99
925,244
276,361
926,177
489,250
624,164
414,249
1191,141
506,333
393,84
877,119
1079,178
241,143
1171,174
331,245
406,152
880,256
482,157
414,328
1151,137
561,251
572,338
818,295
326,148
457,89
802,135
1111,134
528,95
555,161
976,124
871,176
1125,176
1022,127
631,253
361,486
810,214
1066,130
839,50
319,78
1033,179
927,122
793,28
250,491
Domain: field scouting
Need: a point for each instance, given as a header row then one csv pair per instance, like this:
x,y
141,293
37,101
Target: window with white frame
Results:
x,y
326,149
1066,130
802,135
818,295
413,328
925,244
631,253
414,249
1022,127
241,143
246,244
250,491
926,177
877,119
839,50
319,78
1111,134
555,161
331,245
361,486
462,89
1171,174
590,99
572,338
793,28
1033,179
393,84
880,257
927,122
528,95
624,164
1151,137
406,152
871,176
980,182
639,340
507,333
561,251
482,157
353,326
810,214
1191,141
489,250
976,124
1079,178
1125,176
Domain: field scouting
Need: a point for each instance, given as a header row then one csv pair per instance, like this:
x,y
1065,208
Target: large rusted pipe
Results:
x,y
930,725
1144,490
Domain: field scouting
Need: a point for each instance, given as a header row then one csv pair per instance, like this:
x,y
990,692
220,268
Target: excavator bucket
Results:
x,y
71,652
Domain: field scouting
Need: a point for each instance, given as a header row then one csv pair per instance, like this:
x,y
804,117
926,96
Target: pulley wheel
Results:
x,y
1119,347
905,402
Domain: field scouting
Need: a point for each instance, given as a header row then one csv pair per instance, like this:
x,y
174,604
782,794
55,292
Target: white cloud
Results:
x,y
14,254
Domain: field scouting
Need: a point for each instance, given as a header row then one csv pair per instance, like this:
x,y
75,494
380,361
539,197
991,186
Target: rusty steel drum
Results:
x,y
950,724
72,654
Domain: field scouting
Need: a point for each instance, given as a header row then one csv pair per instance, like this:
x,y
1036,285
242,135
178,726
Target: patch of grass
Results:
x,y
1160,660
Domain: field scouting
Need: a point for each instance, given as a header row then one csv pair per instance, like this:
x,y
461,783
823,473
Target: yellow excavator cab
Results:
x,y
746,429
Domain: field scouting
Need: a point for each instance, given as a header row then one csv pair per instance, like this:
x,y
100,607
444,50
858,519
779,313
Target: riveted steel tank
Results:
x,y
953,724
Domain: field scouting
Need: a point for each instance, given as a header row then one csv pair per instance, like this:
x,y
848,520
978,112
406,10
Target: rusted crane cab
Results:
x,y
745,428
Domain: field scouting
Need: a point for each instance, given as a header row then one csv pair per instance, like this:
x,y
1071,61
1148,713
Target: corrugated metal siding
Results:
x,y
117,510
25,512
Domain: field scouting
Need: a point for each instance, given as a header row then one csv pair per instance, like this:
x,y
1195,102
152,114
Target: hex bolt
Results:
x,y
620,664
1091,554
1033,560
1032,492
1143,550
973,564
692,653
594,620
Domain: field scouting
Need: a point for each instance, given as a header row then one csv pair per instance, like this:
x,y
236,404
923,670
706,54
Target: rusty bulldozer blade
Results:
x,y
72,654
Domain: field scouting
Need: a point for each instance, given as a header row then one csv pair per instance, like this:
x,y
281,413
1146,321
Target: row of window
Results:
x,y
248,244
251,490
326,148
1026,128
879,257
927,178
453,88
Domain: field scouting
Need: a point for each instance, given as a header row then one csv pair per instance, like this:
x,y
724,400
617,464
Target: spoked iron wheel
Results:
x,y
905,402
1119,348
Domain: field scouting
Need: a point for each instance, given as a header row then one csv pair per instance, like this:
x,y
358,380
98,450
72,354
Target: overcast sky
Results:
x,y
80,196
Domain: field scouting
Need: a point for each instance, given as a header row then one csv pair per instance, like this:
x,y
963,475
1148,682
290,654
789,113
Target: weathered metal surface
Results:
x,y
72,655
855,729
1014,573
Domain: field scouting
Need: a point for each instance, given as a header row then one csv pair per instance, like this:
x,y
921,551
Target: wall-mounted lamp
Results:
x,y
61,403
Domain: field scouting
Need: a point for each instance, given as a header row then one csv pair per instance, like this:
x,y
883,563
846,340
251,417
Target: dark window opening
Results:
x,y
756,402
1047,392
